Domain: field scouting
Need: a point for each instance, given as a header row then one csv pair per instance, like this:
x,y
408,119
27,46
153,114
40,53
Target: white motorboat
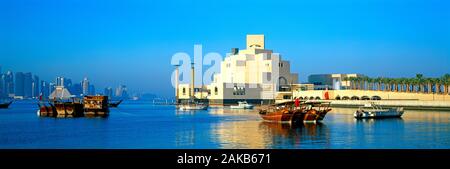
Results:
x,y
194,106
242,105
372,110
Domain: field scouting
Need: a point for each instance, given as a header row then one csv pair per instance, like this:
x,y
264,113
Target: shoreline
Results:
x,y
406,104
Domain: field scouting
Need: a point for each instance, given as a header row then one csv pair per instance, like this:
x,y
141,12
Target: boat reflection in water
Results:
x,y
244,129
298,135
287,130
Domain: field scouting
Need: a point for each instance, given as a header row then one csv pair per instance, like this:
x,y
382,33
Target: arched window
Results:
x,y
184,91
216,91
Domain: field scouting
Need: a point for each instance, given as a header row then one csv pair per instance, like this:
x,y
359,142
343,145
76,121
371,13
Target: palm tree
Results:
x,y
391,84
370,81
420,81
352,83
365,80
382,84
438,85
435,82
415,82
446,79
429,82
408,82
358,82
397,81
361,83
403,82
378,80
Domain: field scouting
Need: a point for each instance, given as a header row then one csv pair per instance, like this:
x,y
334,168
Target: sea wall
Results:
x,y
407,104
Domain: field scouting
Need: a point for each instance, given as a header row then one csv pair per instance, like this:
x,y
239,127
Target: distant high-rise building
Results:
x,y
121,92
77,89
91,90
85,86
51,87
58,81
19,85
36,90
68,84
45,89
28,85
9,84
108,92
2,86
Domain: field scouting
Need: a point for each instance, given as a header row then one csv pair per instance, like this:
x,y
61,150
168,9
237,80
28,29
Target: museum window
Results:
x,y
238,90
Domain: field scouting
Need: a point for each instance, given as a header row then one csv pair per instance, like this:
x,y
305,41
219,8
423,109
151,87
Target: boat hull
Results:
x,y
286,116
194,107
375,114
5,105
241,107
112,104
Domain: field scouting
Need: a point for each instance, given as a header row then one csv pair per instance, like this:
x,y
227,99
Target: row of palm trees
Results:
x,y
418,84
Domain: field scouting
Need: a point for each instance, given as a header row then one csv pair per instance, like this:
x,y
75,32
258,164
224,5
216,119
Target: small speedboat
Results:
x,y
194,106
374,111
242,105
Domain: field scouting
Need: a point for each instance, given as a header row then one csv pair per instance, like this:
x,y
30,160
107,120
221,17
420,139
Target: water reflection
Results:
x,y
380,120
258,134
295,135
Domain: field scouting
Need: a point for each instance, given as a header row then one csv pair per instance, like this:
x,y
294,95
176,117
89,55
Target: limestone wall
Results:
x,y
383,94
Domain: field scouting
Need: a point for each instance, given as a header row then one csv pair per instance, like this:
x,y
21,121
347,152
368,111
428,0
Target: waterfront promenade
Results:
x,y
360,94
356,98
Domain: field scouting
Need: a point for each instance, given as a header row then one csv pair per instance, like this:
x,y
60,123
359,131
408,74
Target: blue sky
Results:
x,y
131,42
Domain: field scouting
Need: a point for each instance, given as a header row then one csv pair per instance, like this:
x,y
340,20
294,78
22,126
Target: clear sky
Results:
x,y
131,42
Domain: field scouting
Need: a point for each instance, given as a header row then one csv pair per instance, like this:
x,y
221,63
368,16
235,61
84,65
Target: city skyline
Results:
x,y
26,85
92,39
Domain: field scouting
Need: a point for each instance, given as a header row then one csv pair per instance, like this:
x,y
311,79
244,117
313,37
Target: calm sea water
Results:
x,y
138,125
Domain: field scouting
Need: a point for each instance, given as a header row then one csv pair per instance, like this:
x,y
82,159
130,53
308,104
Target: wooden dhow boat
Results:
x,y
193,106
288,112
59,108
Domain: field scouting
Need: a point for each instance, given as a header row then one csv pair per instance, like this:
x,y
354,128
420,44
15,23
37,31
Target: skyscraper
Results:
x,y
85,86
51,87
9,84
36,89
68,84
91,90
121,92
108,92
28,85
59,81
19,85
45,89
2,86
77,89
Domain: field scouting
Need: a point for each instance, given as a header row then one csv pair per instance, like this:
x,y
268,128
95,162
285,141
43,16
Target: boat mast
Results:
x,y
192,94
176,83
